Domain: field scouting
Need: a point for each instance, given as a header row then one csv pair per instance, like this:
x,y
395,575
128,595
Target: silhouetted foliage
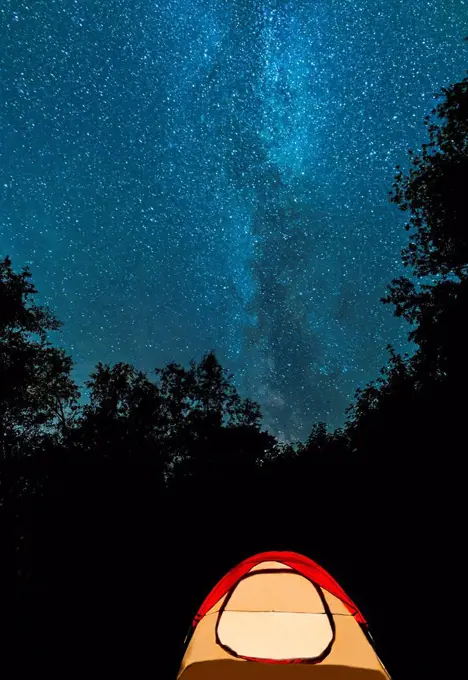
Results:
x,y
38,398
434,190
125,419
416,402
434,194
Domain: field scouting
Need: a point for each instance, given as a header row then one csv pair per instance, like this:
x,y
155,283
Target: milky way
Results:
x,y
187,175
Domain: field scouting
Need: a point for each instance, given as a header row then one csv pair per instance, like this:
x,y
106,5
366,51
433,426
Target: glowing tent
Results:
x,y
279,615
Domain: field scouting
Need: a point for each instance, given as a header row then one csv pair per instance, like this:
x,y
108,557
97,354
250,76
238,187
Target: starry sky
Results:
x,y
188,175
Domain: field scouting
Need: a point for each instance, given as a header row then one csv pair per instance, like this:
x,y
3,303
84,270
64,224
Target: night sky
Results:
x,y
188,175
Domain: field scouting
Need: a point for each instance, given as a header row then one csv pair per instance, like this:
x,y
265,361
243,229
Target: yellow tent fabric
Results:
x,y
276,624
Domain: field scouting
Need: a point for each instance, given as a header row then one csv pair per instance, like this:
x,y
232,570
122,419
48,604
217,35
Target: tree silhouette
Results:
x,y
413,406
434,195
434,190
207,420
124,421
38,399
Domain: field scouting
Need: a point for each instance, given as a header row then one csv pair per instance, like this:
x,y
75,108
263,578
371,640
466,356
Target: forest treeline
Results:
x,y
119,515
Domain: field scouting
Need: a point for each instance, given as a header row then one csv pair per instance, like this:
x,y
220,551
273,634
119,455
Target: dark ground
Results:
x,y
118,580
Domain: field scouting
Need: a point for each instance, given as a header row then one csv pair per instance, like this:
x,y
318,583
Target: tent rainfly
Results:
x,y
275,616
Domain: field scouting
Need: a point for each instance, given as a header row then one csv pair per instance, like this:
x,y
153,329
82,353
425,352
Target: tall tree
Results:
x,y
38,398
434,191
412,406
434,194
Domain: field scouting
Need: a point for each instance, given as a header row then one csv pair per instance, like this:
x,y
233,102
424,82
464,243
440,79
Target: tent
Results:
x,y
279,615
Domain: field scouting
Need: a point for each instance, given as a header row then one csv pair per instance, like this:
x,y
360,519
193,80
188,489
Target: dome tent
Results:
x,y
275,615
